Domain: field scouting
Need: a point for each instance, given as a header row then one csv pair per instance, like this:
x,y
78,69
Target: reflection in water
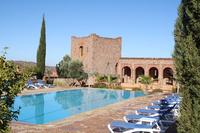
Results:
x,y
126,94
36,108
39,108
69,99
139,93
27,100
112,95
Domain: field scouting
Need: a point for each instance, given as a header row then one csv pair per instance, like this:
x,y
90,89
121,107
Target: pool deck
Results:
x,y
94,121
44,90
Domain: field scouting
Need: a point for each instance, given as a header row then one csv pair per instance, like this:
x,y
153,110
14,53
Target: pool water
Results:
x,y
48,107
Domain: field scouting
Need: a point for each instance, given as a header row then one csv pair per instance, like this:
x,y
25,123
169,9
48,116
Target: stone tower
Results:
x,y
98,54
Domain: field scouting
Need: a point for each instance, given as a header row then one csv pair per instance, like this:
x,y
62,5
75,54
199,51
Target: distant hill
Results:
x,y
23,64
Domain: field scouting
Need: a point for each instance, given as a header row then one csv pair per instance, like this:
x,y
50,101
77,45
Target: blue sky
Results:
x,y
146,26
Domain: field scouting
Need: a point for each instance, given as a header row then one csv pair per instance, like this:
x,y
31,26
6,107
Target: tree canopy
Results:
x,y
63,67
187,63
41,52
68,68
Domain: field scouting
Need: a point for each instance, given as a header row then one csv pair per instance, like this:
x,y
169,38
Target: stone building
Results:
x,y
98,54
103,55
161,70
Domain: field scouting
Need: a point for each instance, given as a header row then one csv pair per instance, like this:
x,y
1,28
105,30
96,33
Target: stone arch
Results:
x,y
168,76
153,73
138,72
126,73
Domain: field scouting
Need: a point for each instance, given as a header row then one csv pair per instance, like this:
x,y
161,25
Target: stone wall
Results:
x,y
100,54
86,58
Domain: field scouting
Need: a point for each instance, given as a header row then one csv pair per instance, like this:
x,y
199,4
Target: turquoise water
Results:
x,y
49,107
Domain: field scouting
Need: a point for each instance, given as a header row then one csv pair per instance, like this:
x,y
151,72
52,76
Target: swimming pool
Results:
x,y
48,107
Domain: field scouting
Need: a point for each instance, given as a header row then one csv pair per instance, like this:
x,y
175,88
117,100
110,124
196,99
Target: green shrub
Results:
x,y
157,90
11,84
100,78
106,78
49,81
59,83
136,89
100,85
117,87
103,79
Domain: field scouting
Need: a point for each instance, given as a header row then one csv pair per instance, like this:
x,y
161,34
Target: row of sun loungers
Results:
x,y
155,118
38,84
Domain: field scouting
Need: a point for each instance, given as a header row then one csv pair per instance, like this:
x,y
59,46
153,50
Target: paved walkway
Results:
x,y
94,121
44,90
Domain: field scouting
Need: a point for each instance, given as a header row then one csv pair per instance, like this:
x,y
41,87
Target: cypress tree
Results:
x,y
41,52
187,63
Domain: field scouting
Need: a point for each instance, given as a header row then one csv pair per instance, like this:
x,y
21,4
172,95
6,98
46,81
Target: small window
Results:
x,y
81,50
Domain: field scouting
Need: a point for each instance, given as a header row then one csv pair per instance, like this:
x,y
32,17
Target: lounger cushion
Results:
x,y
121,124
135,117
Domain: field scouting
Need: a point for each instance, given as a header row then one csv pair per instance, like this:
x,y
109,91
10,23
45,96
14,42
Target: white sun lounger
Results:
x,y
124,127
141,119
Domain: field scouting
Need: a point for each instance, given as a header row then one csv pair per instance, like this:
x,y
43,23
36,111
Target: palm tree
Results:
x,y
111,80
145,80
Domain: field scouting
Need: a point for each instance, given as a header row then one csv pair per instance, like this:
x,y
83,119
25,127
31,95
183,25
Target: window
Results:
x,y
81,50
